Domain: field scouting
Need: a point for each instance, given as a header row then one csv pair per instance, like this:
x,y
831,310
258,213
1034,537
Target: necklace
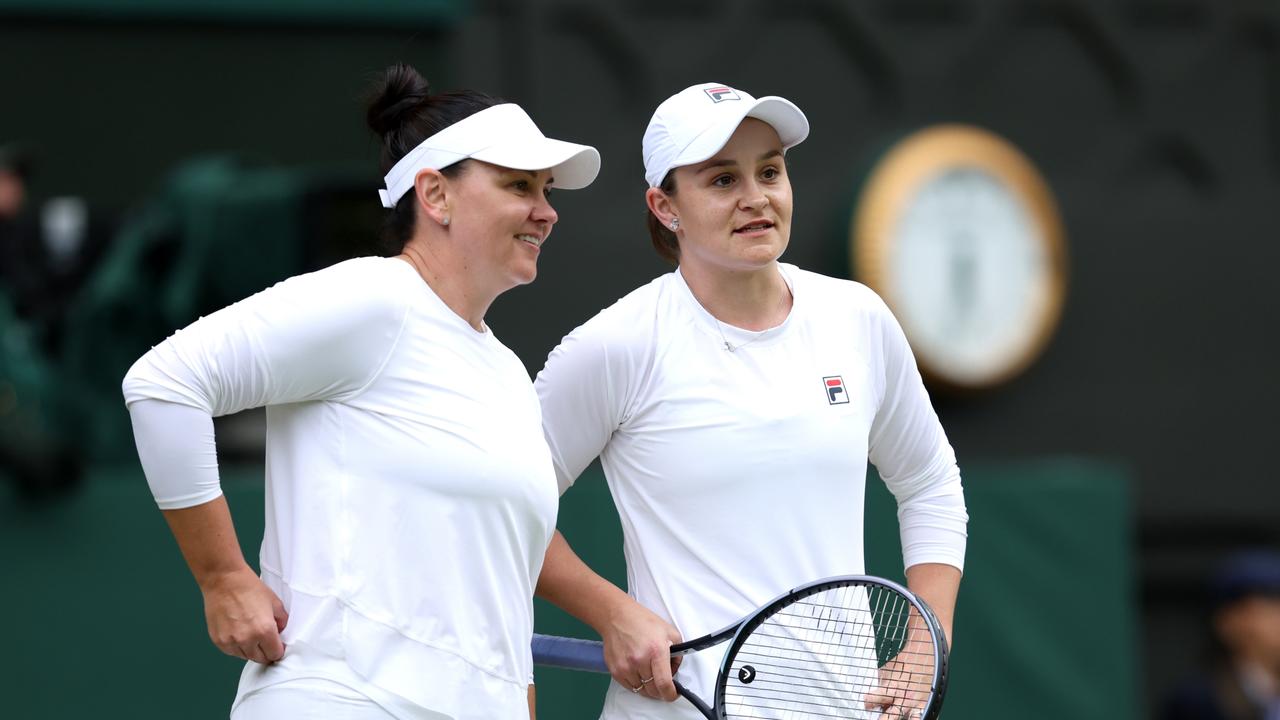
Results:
x,y
730,347
734,348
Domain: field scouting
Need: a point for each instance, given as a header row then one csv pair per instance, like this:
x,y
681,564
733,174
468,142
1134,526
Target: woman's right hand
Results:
x,y
245,617
637,649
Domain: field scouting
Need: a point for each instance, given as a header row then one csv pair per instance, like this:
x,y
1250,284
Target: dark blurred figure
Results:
x,y
1243,678
19,232
47,249
44,256
14,172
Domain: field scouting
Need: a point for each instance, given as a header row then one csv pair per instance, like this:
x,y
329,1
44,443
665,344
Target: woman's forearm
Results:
x,y
569,584
938,585
207,538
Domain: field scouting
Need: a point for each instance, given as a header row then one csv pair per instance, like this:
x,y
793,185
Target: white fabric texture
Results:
x,y
307,683
315,699
180,438
410,494
309,699
734,475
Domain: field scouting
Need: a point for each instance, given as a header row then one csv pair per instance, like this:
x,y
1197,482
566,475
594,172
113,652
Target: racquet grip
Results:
x,y
570,653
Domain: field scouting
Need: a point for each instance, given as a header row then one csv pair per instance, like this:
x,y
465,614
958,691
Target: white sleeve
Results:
x,y
910,450
308,338
581,403
175,445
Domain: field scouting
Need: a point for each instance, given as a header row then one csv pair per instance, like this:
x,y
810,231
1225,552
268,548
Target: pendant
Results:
x,y
727,346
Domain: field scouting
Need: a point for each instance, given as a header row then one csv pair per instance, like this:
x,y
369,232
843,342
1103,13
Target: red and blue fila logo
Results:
x,y
721,93
836,394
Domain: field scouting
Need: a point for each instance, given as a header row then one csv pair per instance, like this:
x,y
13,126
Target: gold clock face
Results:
x,y
961,236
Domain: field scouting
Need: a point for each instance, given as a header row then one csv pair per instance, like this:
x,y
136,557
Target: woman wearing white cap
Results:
x,y
734,404
410,492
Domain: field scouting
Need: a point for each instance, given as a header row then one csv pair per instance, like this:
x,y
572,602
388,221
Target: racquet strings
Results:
x,y
823,655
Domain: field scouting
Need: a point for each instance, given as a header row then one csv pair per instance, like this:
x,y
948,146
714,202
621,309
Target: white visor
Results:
x,y
502,135
695,123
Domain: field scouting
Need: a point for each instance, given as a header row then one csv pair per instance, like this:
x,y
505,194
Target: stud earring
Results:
x,y
675,223
445,221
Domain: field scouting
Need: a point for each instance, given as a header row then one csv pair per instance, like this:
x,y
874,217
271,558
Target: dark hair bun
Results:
x,y
396,99
403,112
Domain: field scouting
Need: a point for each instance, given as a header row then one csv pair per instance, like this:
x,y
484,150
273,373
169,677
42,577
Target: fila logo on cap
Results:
x,y
835,390
718,94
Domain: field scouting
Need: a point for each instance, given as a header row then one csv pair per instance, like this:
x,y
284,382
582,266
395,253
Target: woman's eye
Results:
x,y
723,181
521,185
770,173
546,192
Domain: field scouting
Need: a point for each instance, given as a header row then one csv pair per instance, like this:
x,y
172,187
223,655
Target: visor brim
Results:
x,y
572,165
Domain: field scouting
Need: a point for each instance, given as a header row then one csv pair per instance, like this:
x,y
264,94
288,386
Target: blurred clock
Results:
x,y
961,236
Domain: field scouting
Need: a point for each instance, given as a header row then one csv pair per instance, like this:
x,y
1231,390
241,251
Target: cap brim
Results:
x,y
782,115
572,165
785,117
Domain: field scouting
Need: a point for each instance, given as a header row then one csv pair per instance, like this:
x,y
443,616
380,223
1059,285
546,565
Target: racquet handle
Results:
x,y
579,654
570,653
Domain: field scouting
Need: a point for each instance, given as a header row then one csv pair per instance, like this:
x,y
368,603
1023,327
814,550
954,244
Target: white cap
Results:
x,y
692,125
503,135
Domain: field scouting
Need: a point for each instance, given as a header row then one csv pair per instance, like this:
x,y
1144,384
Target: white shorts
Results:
x,y
316,699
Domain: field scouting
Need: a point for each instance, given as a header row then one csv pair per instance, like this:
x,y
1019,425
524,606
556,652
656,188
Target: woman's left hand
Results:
x,y
906,680
637,649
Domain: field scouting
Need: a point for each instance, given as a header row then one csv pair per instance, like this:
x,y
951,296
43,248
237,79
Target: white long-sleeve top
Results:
x,y
739,475
410,494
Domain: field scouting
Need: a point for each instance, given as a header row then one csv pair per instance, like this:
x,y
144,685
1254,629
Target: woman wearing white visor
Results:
x,y
410,492
734,404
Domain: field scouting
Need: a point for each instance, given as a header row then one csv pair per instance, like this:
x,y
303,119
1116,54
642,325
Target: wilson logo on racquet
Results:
x,y
746,674
718,94
836,394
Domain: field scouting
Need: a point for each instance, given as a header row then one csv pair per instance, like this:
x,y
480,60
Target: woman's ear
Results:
x,y
661,205
432,190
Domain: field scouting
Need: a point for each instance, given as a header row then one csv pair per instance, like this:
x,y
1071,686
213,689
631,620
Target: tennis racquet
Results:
x,y
843,647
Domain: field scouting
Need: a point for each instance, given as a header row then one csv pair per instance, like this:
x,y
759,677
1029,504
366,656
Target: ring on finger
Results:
x,y
644,682
637,688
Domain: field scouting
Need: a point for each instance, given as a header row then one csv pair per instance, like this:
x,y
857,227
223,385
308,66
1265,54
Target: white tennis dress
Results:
x,y
410,494
739,475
